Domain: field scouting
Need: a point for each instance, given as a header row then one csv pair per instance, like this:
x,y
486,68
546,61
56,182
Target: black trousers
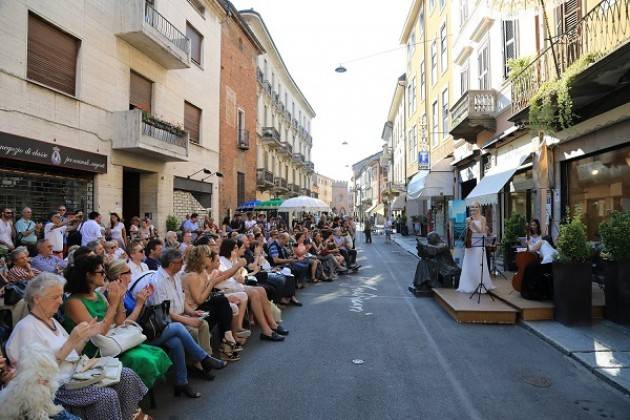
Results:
x,y
220,313
368,236
277,285
350,255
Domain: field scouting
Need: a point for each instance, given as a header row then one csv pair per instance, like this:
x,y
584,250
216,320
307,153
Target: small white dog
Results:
x,y
31,393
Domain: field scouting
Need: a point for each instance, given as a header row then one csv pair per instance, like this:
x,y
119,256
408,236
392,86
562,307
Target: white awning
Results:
x,y
486,192
427,184
398,203
377,209
371,208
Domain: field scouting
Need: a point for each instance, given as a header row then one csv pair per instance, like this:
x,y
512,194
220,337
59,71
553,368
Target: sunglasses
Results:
x,y
125,273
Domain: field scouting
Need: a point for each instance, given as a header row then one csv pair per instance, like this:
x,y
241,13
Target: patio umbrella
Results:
x,y
270,204
304,203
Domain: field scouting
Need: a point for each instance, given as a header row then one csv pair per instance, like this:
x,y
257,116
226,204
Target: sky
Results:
x,y
313,37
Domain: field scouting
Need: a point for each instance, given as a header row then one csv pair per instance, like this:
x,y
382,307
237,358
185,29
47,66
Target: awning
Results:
x,y
486,192
377,209
398,203
371,208
427,184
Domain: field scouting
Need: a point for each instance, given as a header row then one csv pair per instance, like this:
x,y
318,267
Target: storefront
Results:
x,y
598,183
44,176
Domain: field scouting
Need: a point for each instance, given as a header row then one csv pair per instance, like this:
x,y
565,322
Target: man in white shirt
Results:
x,y
92,229
54,232
6,229
168,286
250,222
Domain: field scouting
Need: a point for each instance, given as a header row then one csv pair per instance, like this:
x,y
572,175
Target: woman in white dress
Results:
x,y
475,256
117,230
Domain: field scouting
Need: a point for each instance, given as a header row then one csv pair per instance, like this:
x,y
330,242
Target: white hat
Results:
x,y
286,271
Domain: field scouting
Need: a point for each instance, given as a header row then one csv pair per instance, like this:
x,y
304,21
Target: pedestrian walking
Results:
x,y
367,231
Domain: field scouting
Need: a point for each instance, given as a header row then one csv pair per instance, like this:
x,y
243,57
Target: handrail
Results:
x,y
166,28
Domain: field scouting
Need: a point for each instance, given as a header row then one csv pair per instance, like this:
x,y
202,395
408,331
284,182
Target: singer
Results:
x,y
471,275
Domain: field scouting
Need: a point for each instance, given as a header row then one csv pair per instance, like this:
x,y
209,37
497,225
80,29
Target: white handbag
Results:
x,y
119,339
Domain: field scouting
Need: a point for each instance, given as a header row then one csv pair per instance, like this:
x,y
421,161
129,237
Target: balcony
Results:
x,y
599,40
309,166
304,191
264,179
286,148
295,189
275,99
473,113
243,139
271,137
280,184
260,77
148,31
141,133
298,158
267,87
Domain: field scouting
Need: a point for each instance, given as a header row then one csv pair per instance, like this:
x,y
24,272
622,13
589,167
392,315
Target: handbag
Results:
x,y
129,300
119,339
98,371
154,319
14,292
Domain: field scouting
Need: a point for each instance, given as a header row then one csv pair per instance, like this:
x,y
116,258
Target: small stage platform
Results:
x,y
466,310
531,310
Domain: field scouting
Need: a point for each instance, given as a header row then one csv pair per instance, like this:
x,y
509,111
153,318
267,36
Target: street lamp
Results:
x,y
341,69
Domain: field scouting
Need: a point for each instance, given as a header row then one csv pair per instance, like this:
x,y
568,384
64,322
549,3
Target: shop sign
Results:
x,y
423,160
29,150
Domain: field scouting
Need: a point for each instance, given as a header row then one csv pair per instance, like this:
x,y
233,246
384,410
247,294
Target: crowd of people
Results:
x,y
77,278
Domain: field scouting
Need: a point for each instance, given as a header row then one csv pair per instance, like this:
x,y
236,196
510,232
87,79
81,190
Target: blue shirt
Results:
x,y
190,226
24,225
276,251
152,264
48,264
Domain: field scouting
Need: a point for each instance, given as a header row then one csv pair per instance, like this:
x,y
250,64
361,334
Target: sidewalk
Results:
x,y
408,243
603,348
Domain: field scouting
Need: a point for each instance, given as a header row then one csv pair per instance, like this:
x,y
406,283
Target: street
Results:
x,y
417,362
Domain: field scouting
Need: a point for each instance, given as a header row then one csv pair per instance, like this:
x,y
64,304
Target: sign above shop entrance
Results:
x,y
29,150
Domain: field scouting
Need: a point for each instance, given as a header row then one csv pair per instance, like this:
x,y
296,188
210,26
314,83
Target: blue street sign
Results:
x,y
423,158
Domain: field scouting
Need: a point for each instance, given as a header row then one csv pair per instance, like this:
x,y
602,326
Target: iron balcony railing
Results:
x,y
271,132
280,183
310,166
299,157
264,177
267,87
163,131
604,28
166,28
294,123
259,75
295,188
243,139
287,148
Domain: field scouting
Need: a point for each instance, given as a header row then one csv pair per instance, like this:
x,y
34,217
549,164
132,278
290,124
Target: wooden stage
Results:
x,y
507,307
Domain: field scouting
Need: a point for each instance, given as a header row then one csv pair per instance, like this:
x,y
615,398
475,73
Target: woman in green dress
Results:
x,y
85,276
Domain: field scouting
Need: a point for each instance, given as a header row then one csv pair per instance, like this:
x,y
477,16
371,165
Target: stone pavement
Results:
x,y
408,243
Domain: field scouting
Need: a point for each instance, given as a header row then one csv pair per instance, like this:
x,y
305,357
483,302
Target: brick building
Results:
x,y
239,49
341,198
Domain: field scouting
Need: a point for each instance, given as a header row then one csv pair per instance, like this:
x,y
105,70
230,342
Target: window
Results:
x,y
411,45
445,113
140,92
463,80
442,3
266,160
434,62
509,44
422,80
265,116
484,75
240,127
414,142
51,56
435,126
443,48
196,39
192,121
421,23
463,12
240,187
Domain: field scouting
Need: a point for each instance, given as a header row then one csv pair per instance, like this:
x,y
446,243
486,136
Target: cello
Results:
x,y
523,260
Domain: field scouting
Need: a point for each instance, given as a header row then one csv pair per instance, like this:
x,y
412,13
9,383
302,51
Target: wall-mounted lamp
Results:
x,y
204,170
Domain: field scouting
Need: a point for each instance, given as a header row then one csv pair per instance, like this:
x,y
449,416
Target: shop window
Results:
x,y
51,55
599,184
520,195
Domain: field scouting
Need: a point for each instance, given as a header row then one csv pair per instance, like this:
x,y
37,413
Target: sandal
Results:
x,y
139,415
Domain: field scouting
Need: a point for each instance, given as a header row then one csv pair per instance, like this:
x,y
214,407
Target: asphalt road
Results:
x,y
417,362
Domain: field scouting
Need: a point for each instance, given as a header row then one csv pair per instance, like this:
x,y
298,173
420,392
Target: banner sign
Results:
x,y
457,216
423,159
29,150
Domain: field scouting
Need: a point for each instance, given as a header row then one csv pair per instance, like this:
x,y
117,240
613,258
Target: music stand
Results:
x,y
494,271
477,243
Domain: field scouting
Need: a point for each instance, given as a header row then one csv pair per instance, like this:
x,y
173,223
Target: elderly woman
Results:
x,y
225,311
113,251
136,259
44,295
85,303
170,240
21,269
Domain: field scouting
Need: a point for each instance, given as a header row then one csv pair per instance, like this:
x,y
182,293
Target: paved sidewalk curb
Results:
x,y
595,371
398,241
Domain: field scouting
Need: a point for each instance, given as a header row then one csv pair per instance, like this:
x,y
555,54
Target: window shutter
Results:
x,y
52,55
140,92
195,43
192,121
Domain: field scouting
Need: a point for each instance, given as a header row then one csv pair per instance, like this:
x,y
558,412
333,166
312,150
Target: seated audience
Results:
x,y
45,260
21,269
152,252
136,259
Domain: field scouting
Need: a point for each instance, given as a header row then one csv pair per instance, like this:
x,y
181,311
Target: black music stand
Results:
x,y
476,243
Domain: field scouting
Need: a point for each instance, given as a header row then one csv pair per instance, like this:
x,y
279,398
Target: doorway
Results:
x,y
131,195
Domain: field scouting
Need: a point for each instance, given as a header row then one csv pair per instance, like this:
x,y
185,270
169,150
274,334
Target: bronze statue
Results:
x,y
436,267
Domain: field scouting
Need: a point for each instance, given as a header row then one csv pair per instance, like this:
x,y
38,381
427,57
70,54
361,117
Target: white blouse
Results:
x,y
32,330
229,285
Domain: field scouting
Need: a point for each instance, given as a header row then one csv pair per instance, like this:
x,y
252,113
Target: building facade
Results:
x,y
367,185
283,130
110,106
341,198
324,188
239,49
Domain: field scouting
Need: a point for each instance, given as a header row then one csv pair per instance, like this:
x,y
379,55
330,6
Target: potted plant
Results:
x,y
514,229
172,223
572,274
615,234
